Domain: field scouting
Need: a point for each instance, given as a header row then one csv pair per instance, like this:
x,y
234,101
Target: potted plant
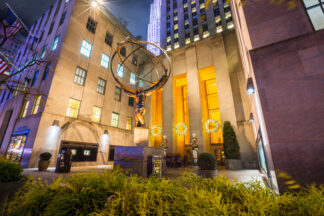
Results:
x,y
231,148
207,165
44,161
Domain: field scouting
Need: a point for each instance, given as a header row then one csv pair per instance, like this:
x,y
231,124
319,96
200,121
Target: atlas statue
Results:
x,y
139,72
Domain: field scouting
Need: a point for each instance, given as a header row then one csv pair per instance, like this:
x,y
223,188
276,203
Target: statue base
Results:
x,y
141,136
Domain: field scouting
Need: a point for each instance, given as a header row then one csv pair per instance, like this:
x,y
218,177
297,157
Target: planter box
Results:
x,y
207,173
43,165
233,164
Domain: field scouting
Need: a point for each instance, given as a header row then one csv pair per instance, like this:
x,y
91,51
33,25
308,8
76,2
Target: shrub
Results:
x,y
207,161
45,156
9,171
116,194
231,146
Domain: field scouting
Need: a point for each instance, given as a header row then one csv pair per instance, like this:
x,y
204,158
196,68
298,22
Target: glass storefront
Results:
x,y
17,145
81,152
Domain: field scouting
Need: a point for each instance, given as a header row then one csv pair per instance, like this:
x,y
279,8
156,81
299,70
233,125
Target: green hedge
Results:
x,y
116,194
9,171
207,161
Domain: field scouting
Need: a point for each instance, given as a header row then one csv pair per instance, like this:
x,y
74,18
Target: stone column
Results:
x,y
167,107
223,82
194,105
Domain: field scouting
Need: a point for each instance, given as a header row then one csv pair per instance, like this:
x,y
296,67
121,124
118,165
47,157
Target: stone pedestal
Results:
x,y
141,136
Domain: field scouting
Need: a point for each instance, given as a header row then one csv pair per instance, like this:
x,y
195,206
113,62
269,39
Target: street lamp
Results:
x,y
250,86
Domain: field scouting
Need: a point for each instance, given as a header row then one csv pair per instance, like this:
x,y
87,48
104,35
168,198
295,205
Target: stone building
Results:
x,y
79,103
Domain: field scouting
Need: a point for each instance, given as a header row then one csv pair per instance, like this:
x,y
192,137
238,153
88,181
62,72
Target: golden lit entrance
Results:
x,y
181,120
210,112
156,118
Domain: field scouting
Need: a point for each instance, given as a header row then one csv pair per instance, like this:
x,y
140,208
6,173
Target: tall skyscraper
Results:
x,y
186,21
154,31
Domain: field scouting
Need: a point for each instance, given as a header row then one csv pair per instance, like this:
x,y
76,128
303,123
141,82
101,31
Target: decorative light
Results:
x,y
94,4
250,86
251,119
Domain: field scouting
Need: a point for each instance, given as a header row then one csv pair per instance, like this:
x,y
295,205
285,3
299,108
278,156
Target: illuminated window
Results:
x,y
194,9
188,41
196,38
80,76
176,45
86,48
118,93
228,14
24,108
36,104
205,34
56,40
91,25
315,12
176,35
105,60
35,78
101,86
120,71
169,48
132,79
185,5
202,5
96,115
175,26
44,52
46,72
114,119
73,108
129,123
219,29
168,39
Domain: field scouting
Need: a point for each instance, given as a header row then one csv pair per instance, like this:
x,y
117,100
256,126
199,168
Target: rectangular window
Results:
x,y
109,39
24,108
315,11
44,52
123,51
91,25
129,123
56,40
58,7
86,48
80,76
114,119
35,78
132,79
105,60
120,71
96,115
131,101
118,93
73,108
36,104
101,86
46,72
134,59
51,28
62,18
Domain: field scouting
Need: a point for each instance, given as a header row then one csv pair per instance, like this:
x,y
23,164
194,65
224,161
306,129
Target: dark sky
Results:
x,y
136,12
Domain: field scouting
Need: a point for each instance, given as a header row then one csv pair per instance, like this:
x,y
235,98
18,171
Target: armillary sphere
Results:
x,y
139,72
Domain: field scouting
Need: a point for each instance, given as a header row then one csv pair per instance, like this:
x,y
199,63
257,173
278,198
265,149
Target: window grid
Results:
x,y
80,76
91,25
118,93
129,123
96,115
120,71
105,59
109,39
86,48
55,42
73,108
114,119
36,104
101,86
132,79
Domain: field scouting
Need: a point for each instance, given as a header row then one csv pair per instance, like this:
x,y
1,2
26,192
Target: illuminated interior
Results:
x,y
210,110
156,117
181,112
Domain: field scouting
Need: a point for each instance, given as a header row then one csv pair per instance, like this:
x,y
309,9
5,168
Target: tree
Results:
x,y
231,146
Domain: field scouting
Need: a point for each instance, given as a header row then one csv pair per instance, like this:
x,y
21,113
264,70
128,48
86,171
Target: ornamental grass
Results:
x,y
115,193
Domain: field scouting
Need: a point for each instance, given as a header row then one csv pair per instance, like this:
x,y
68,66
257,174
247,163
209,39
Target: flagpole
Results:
x,y
19,19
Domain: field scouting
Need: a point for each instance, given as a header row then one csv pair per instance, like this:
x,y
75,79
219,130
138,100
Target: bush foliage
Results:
x,y
113,193
45,156
207,161
231,146
9,171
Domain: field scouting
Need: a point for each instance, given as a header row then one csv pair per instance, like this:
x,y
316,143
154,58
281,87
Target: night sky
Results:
x,y
136,12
